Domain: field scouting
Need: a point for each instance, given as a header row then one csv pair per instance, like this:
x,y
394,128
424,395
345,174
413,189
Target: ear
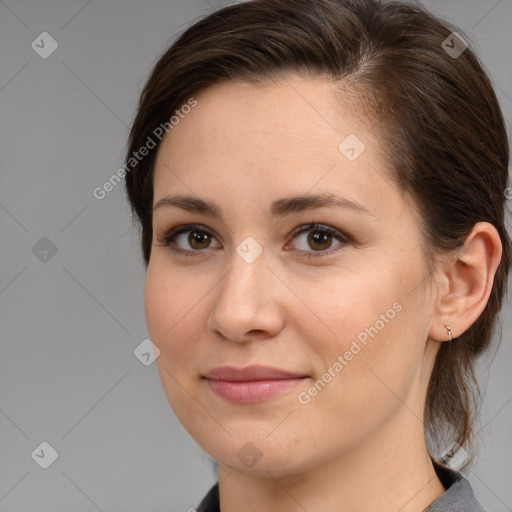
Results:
x,y
466,284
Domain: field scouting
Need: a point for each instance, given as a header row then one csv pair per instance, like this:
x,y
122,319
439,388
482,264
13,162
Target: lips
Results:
x,y
251,384
251,373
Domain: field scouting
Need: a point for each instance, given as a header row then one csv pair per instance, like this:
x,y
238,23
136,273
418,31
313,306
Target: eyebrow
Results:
x,y
278,208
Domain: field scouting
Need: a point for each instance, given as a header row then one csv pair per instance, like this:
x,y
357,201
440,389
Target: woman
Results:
x,y
321,189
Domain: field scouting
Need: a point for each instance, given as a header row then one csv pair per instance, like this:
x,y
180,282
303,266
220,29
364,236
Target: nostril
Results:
x,y
256,332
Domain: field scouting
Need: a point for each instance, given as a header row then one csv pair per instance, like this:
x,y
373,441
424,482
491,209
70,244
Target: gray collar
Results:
x,y
458,497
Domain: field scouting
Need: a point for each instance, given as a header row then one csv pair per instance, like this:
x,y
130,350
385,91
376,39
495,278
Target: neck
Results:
x,y
399,477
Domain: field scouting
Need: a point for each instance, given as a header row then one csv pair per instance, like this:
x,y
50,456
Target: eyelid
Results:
x,y
319,227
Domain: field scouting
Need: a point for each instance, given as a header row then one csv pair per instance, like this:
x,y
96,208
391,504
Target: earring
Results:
x,y
449,330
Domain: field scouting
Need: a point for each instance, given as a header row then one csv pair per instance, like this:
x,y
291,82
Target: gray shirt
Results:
x,y
458,496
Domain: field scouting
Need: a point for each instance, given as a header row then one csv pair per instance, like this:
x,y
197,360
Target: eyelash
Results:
x,y
169,237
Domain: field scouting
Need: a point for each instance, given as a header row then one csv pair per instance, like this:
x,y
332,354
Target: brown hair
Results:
x,y
439,118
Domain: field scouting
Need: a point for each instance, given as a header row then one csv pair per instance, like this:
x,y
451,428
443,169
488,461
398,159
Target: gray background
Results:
x,y
70,323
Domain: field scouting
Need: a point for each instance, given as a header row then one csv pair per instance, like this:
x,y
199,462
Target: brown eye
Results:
x,y
189,240
201,238
319,240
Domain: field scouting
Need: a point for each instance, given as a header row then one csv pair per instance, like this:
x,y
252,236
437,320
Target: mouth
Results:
x,y
251,384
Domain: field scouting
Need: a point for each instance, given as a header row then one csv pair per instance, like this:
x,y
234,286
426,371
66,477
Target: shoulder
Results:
x,y
210,503
458,497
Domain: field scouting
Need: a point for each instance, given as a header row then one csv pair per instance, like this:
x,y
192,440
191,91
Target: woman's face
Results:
x,y
342,307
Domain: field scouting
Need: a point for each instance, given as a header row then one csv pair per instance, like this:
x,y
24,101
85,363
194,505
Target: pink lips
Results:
x,y
251,384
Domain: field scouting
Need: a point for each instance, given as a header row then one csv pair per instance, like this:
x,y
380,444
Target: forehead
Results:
x,y
296,107
269,128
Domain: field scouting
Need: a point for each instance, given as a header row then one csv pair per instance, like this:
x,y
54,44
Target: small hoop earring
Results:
x,y
449,330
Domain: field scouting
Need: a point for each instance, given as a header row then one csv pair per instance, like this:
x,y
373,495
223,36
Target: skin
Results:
x,y
359,443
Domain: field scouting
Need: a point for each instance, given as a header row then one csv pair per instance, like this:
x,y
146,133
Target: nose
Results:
x,y
247,305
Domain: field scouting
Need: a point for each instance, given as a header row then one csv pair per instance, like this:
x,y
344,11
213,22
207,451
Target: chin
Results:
x,y
277,466
259,457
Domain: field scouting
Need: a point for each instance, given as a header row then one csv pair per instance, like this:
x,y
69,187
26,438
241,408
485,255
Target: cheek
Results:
x,y
370,362
353,304
170,307
361,386
172,327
